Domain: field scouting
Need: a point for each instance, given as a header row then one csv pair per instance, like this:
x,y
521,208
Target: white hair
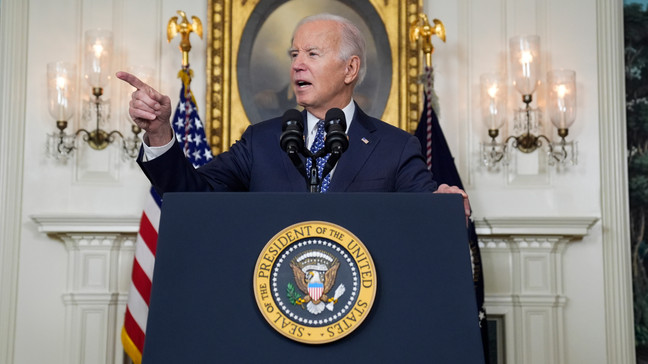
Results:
x,y
352,41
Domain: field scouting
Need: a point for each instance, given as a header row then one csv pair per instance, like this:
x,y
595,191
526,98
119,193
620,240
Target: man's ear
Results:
x,y
352,70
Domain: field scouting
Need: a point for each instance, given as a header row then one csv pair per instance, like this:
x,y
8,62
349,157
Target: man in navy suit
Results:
x,y
327,61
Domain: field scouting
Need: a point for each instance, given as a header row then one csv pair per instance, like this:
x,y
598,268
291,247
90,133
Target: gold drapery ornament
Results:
x,y
422,31
184,28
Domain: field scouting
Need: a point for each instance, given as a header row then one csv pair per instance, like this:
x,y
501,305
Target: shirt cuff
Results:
x,y
151,153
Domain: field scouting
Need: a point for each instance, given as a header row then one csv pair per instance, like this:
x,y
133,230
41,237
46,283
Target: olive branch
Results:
x,y
292,294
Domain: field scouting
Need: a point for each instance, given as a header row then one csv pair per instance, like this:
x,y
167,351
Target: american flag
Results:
x,y
189,129
133,332
190,133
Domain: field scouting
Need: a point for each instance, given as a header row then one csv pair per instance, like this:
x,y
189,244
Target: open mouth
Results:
x,y
303,83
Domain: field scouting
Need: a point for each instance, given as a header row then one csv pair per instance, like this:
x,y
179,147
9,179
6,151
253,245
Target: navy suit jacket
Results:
x,y
380,158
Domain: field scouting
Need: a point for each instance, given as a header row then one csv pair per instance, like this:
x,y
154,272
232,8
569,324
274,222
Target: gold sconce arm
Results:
x,y
61,144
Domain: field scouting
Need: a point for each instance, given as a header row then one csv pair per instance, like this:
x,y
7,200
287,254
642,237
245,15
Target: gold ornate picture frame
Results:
x,y
245,37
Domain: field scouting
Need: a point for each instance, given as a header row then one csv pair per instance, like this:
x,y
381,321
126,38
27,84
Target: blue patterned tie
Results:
x,y
317,145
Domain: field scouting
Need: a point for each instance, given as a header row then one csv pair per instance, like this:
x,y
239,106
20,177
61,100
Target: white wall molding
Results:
x,y
576,226
617,276
14,22
78,223
523,268
100,252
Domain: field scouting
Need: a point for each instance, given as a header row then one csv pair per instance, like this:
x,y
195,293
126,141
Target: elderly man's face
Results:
x,y
321,79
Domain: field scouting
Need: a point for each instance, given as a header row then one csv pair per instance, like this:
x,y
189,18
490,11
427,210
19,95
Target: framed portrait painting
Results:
x,y
248,66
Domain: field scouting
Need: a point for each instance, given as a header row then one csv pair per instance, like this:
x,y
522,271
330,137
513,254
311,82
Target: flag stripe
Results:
x,y
148,233
138,308
152,209
141,282
145,258
135,334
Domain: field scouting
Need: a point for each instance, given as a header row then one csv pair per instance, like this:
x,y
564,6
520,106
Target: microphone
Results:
x,y
336,141
292,137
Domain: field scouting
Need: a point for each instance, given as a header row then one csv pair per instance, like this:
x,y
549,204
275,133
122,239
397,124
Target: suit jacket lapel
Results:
x,y
362,141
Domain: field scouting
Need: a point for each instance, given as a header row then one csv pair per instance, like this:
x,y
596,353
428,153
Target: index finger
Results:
x,y
131,80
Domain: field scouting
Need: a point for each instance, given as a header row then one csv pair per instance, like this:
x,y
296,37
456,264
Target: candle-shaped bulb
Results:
x,y
98,49
525,51
60,90
98,54
61,82
492,100
562,98
562,90
492,91
526,58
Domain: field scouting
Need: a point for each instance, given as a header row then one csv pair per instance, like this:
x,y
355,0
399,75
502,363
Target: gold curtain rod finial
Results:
x,y
185,29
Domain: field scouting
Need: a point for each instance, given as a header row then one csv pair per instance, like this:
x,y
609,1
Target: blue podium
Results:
x,y
203,307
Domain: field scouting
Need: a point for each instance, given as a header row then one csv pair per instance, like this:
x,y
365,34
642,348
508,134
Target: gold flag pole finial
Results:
x,y
421,31
184,28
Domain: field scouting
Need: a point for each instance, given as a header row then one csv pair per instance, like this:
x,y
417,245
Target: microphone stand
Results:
x,y
336,153
314,183
297,162
313,178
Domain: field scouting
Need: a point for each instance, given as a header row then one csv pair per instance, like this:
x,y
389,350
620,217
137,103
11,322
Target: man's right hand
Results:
x,y
150,110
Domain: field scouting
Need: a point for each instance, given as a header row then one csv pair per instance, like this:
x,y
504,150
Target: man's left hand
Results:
x,y
444,188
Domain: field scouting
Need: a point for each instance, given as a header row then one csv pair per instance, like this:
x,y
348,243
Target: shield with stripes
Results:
x,y
315,290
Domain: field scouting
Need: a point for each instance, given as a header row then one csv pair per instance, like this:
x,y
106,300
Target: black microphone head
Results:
x,y
294,118
335,125
292,136
335,116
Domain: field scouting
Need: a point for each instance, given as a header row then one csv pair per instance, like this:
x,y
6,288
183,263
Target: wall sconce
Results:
x,y
98,47
527,121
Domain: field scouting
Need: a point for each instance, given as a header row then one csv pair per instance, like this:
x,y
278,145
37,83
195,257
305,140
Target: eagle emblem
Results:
x,y
314,282
314,272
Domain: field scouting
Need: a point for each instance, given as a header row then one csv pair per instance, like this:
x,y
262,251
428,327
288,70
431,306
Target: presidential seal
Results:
x,y
315,282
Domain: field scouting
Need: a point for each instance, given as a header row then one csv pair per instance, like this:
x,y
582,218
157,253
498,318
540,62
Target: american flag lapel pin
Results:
x,y
364,140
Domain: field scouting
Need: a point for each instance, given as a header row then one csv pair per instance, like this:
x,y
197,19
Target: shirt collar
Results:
x,y
312,120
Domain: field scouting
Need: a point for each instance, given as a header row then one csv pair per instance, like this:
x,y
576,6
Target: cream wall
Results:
x,y
34,266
